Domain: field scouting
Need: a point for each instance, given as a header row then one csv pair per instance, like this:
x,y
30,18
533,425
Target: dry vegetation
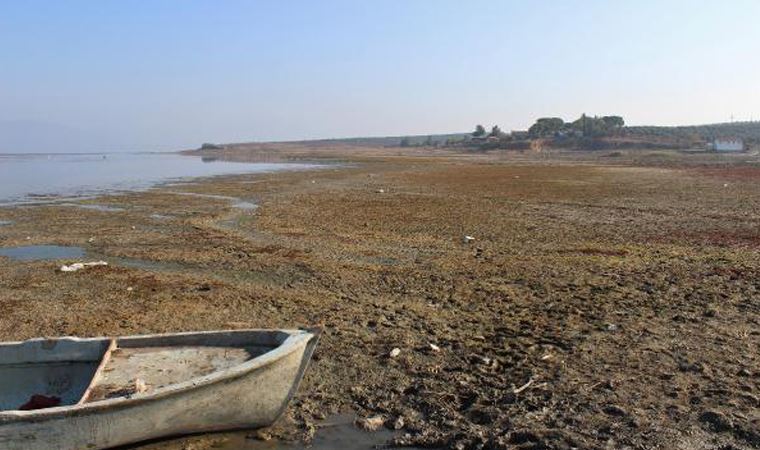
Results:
x,y
599,306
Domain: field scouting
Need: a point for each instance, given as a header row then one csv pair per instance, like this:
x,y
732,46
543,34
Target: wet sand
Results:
x,y
605,302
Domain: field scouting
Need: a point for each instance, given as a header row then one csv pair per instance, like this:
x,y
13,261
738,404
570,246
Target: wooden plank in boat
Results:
x,y
140,370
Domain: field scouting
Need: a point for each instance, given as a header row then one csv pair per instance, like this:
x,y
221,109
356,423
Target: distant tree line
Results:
x,y
584,126
480,132
748,130
584,132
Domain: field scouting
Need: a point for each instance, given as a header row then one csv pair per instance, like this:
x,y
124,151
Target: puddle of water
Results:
x,y
104,208
160,217
41,252
335,433
236,202
55,252
5,223
52,252
244,205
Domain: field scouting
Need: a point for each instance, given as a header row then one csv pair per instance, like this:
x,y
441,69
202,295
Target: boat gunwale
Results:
x,y
288,346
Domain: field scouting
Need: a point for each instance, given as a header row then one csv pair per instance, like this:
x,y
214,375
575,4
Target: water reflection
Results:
x,y
42,178
42,252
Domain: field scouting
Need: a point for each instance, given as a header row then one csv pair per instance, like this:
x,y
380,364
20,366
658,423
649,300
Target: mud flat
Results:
x,y
604,302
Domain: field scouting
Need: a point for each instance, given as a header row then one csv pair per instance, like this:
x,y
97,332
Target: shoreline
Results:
x,y
594,305
89,192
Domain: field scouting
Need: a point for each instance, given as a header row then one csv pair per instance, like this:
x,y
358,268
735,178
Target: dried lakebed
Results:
x,y
596,307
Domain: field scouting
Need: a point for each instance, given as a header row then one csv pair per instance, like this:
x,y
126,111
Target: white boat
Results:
x,y
92,393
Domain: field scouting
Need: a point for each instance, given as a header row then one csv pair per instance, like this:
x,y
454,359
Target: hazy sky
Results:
x,y
162,75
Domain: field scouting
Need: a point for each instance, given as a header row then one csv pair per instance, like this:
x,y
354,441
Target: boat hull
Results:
x,y
250,398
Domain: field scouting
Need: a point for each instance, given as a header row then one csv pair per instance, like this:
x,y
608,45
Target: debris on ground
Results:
x,y
396,424
373,423
79,266
260,435
523,387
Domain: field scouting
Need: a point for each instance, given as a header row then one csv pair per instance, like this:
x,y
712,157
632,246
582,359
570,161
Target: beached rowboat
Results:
x,y
71,393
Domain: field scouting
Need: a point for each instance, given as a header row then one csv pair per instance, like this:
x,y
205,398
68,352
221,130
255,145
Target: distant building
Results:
x,y
727,145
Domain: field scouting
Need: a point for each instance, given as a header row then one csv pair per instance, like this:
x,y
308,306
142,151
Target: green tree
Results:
x,y
496,131
479,131
546,127
590,126
613,122
405,142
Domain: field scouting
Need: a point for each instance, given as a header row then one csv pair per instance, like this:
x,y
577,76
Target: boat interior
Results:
x,y
44,373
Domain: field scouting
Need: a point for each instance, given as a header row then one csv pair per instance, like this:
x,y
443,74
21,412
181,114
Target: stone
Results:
x,y
715,421
615,410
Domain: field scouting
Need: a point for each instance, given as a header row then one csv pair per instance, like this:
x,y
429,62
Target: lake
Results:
x,y
33,178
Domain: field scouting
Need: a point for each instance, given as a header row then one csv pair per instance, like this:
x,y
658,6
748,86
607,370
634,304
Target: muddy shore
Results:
x,y
605,301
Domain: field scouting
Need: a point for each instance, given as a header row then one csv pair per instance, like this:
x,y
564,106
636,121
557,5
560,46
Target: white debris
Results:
x,y
79,266
370,423
523,387
140,386
130,289
467,239
395,352
380,191
725,184
435,348
91,240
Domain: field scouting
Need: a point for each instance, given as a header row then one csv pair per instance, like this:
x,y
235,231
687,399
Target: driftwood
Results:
x,y
523,387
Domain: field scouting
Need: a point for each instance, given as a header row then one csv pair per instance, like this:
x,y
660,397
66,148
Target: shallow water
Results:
x,y
54,252
39,178
42,252
244,205
160,217
102,208
335,433
235,202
